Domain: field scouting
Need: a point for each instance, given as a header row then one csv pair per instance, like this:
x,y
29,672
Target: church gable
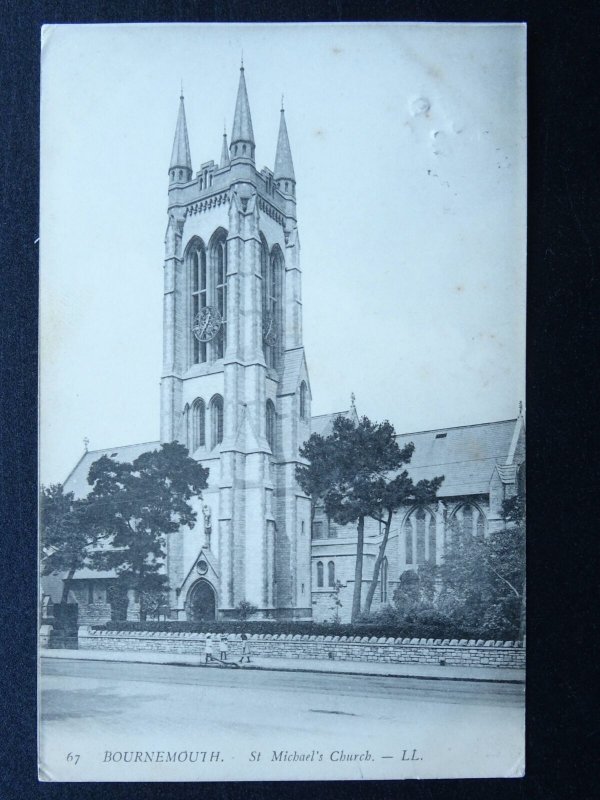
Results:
x,y
294,372
77,481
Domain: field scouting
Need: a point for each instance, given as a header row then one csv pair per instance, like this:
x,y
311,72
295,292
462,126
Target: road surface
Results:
x,y
122,721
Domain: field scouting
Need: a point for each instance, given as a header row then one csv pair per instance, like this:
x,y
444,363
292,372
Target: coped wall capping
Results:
x,y
476,653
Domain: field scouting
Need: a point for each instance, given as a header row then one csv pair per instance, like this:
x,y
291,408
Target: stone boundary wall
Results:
x,y
468,653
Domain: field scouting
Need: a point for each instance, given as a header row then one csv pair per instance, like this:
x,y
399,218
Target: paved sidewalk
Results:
x,y
417,671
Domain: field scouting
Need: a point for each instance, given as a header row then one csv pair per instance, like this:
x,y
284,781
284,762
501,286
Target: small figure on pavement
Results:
x,y
245,648
208,648
224,646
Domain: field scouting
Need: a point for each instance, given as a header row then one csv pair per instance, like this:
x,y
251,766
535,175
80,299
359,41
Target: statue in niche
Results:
x,y
206,513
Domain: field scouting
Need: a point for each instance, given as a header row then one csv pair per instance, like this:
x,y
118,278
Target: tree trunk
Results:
x,y
360,540
377,565
67,585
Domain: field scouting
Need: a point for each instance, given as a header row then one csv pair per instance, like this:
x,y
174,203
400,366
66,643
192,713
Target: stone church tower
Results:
x,y
234,386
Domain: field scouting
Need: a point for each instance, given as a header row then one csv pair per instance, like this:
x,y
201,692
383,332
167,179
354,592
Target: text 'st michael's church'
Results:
x,y
234,385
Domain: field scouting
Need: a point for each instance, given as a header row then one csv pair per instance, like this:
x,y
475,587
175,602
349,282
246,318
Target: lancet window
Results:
x,y
272,278
419,537
198,424
197,266
320,574
216,420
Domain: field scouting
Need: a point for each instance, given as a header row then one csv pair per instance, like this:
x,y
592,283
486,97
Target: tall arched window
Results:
x,y
271,270
270,425
216,420
331,574
419,537
198,424
468,518
384,580
303,400
220,278
320,574
197,267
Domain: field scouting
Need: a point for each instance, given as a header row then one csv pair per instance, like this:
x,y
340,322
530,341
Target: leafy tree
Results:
x,y
416,591
138,504
68,534
245,609
342,468
483,578
155,603
391,495
317,477
349,470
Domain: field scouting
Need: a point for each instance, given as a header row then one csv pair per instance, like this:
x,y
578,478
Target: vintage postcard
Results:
x,y
282,436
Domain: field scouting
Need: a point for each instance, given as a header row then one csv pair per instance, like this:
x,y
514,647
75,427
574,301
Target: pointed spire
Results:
x,y
180,155
224,151
284,167
242,133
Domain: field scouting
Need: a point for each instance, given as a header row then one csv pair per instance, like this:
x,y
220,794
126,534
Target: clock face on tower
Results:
x,y
269,329
207,324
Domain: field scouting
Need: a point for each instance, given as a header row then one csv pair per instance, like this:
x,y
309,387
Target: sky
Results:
x,y
409,147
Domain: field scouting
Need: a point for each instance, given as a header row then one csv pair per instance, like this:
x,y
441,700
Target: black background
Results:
x,y
562,473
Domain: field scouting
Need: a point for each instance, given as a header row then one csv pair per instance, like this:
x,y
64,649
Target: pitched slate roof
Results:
x,y
77,480
466,455
323,424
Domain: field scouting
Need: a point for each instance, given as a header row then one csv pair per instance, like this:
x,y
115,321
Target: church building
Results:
x,y
235,390
234,387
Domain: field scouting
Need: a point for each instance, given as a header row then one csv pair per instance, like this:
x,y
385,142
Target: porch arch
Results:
x,y
201,602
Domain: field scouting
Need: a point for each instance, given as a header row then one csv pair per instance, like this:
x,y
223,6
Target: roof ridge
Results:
x,y
119,446
331,414
457,427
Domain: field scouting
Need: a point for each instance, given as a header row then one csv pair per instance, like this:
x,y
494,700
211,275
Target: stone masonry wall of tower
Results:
x,y
233,365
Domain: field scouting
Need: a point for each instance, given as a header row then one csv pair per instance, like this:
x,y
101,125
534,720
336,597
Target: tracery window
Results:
x,y
216,420
468,518
271,271
220,279
197,265
419,537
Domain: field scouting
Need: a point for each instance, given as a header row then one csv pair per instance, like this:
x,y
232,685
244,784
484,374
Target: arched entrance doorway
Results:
x,y
201,602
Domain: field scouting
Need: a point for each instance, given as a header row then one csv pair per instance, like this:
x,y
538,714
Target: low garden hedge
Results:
x,y
405,630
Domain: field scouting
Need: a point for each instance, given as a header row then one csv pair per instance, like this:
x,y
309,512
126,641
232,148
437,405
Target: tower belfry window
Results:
x,y
197,261
271,268
220,277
